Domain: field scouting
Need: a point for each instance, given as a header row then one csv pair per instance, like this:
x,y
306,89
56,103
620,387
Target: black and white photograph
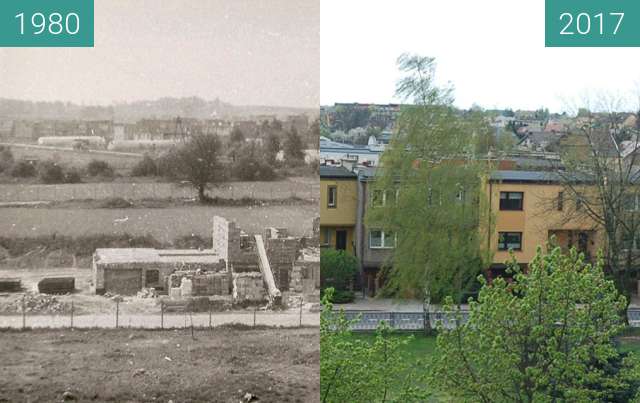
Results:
x,y
159,220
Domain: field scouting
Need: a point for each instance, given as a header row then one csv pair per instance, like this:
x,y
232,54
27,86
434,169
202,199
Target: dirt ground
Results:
x,y
224,365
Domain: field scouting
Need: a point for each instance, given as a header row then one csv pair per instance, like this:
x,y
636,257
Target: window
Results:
x,y
326,233
380,198
510,240
332,197
560,201
381,240
511,200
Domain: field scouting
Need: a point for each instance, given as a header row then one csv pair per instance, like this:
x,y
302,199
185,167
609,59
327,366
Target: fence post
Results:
x,y
72,314
393,320
209,314
191,319
301,303
161,314
117,312
24,313
254,316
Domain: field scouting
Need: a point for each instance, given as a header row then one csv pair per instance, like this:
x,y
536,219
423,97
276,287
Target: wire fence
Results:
x,y
167,317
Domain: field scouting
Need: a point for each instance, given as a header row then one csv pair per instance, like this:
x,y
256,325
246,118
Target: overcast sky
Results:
x,y
246,52
492,51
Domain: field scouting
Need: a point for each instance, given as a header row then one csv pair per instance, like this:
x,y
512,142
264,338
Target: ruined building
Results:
x,y
244,268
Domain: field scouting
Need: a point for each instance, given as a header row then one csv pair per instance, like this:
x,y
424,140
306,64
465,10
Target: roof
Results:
x,y
147,255
327,171
524,176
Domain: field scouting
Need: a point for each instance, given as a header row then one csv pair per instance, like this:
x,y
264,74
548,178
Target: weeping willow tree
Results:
x,y
428,191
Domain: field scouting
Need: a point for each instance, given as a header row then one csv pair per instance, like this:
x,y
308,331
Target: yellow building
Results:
x,y
338,207
527,208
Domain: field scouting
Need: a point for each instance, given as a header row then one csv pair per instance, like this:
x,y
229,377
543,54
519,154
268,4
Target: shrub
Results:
x,y
23,169
50,172
337,270
116,202
146,167
382,369
558,318
99,168
72,176
343,297
252,168
6,158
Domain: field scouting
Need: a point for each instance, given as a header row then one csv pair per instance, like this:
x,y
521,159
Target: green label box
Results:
x,y
592,23
46,23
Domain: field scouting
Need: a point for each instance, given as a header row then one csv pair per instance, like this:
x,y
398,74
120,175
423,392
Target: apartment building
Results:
x,y
527,209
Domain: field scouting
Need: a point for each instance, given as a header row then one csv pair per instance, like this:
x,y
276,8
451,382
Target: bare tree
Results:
x,y
599,173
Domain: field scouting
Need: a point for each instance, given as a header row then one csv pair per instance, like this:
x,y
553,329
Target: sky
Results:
x,y
492,51
245,52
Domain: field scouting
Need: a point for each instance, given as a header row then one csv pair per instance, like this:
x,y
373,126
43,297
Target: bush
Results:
x,y
99,168
342,297
146,167
252,168
337,270
116,202
6,158
23,169
72,176
50,172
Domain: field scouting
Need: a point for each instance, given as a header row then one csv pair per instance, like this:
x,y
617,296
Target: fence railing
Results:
x,y
163,318
414,321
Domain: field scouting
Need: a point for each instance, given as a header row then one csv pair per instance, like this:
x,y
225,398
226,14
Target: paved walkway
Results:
x,y
289,318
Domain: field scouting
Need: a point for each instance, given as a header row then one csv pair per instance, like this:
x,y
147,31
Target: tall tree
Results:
x,y
600,174
197,161
428,191
293,147
236,136
547,336
272,147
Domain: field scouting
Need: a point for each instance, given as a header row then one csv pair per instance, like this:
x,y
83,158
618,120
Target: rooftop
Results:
x,y
339,172
148,255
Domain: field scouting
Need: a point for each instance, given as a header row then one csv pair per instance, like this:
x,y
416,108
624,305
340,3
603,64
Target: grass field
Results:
x,y
121,162
307,188
164,224
223,365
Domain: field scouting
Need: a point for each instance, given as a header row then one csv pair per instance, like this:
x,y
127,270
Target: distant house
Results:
x,y
332,152
540,141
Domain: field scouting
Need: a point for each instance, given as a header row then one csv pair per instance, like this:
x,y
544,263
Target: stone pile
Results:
x,y
36,303
147,293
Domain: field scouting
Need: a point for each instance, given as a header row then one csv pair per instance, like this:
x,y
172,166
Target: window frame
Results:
x,y
327,237
383,239
507,193
332,190
505,243
377,201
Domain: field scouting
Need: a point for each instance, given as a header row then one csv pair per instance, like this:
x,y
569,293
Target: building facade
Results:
x,y
338,208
